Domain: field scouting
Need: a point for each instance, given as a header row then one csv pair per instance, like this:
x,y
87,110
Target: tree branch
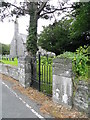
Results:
x,y
19,8
49,12
41,8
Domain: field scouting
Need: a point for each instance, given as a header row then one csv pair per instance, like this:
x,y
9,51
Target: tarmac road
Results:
x,y
14,106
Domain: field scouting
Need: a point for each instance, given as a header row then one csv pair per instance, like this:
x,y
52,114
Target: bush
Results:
x,y
4,49
45,60
79,61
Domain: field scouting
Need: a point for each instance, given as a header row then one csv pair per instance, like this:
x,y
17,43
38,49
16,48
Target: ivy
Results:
x,y
32,44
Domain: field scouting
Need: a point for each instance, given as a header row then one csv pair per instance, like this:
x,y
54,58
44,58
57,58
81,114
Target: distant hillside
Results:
x,y
4,49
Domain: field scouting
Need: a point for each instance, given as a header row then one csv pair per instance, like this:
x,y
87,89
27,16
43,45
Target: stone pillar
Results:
x,y
62,81
33,71
24,70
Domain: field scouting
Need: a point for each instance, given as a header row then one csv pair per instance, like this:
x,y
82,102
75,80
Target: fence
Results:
x,y
43,79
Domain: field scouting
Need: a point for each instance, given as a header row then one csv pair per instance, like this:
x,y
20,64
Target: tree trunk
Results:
x,y
32,37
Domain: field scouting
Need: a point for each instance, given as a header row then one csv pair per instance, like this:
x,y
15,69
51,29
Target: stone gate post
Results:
x,y
24,70
62,81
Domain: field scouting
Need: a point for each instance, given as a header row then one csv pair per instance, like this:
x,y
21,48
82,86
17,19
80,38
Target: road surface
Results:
x,y
16,106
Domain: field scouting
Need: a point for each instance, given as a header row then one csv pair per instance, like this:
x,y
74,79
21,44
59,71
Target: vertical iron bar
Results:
x,y
49,78
47,58
42,78
39,72
42,73
47,73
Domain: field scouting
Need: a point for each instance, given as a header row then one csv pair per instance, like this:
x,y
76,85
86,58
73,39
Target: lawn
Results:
x,y
13,63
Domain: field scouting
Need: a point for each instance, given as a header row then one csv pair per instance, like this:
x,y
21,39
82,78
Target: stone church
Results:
x,y
18,43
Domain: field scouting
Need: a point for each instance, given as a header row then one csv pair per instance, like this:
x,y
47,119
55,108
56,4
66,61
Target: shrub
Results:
x,y
80,61
45,60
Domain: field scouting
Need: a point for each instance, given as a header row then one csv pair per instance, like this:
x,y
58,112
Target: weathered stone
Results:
x,y
18,44
81,99
24,70
9,70
62,81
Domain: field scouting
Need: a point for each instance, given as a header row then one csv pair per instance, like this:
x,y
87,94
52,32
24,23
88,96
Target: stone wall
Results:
x,y
62,81
81,98
63,87
9,70
25,72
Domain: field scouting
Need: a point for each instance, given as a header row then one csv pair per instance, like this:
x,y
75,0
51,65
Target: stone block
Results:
x,y
62,90
24,69
81,99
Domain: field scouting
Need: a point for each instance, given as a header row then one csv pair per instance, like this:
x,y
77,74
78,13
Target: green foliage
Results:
x,y
55,37
81,24
66,55
32,37
4,49
80,62
31,44
45,60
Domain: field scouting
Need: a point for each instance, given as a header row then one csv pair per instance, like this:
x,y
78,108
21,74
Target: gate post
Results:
x,y
24,70
62,81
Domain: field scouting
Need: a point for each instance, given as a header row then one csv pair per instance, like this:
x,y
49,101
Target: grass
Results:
x,y
13,63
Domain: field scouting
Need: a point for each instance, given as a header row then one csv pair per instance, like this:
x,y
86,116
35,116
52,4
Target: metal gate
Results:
x,y
43,79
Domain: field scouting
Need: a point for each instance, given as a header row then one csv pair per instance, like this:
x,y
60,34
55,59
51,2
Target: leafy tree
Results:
x,y
80,29
79,34
35,10
56,37
4,49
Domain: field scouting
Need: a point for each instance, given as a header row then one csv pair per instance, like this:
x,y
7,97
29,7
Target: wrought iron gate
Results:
x,y
43,79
